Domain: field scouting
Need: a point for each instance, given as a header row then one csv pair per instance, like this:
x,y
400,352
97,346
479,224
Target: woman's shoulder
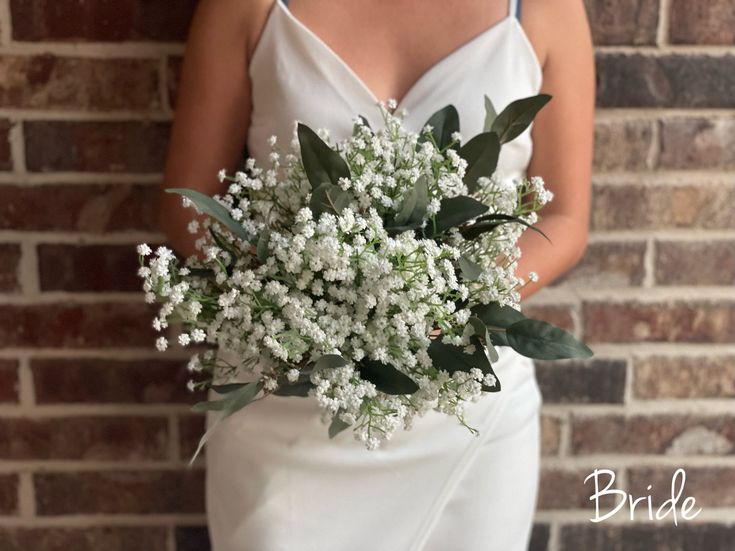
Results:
x,y
240,19
550,25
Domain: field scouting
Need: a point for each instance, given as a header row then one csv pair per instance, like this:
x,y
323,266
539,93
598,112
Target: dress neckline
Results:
x,y
479,38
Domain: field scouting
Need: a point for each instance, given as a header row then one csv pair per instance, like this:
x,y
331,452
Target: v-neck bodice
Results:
x,y
295,75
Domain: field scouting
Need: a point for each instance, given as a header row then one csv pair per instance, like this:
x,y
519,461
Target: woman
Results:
x,y
275,481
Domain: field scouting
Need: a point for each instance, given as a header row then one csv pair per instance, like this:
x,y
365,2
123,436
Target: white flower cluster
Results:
x,y
341,283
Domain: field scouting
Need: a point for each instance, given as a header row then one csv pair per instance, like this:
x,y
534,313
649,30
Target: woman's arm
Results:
x,y
563,134
212,108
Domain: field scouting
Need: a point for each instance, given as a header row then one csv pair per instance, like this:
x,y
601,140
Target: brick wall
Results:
x,y
95,428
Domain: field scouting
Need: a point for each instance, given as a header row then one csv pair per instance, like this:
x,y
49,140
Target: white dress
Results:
x,y
275,481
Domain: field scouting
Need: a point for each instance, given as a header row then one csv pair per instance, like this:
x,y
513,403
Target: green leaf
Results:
x,y
481,154
201,272
518,116
540,340
262,250
387,378
483,334
330,361
227,388
456,211
233,401
329,198
355,127
444,123
490,115
321,162
471,271
414,205
213,209
452,358
494,314
337,426
491,221
300,388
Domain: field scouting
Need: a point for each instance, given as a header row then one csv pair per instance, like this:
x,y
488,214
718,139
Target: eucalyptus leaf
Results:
x,y
233,401
356,127
452,358
491,221
456,211
415,203
543,341
387,378
337,426
494,314
444,123
227,388
321,162
213,209
330,361
329,198
518,116
481,331
490,115
481,154
300,388
262,250
201,272
471,271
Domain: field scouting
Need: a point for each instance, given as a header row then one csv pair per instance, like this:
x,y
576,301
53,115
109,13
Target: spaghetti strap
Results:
x,y
514,8
285,2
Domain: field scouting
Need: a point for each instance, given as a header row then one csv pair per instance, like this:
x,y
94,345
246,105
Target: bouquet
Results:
x,y
375,275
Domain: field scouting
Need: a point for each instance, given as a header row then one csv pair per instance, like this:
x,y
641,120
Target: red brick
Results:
x,y
92,380
649,536
539,537
560,316
173,78
92,146
596,381
9,266
697,143
659,322
695,262
87,538
79,208
607,265
620,23
650,207
622,144
654,434
711,486
6,160
78,83
98,438
8,494
192,538
8,380
126,492
77,325
710,22
550,435
100,20
88,268
565,489
191,430
671,80
710,376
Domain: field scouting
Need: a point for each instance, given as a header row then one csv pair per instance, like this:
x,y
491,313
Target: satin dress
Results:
x,y
275,481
